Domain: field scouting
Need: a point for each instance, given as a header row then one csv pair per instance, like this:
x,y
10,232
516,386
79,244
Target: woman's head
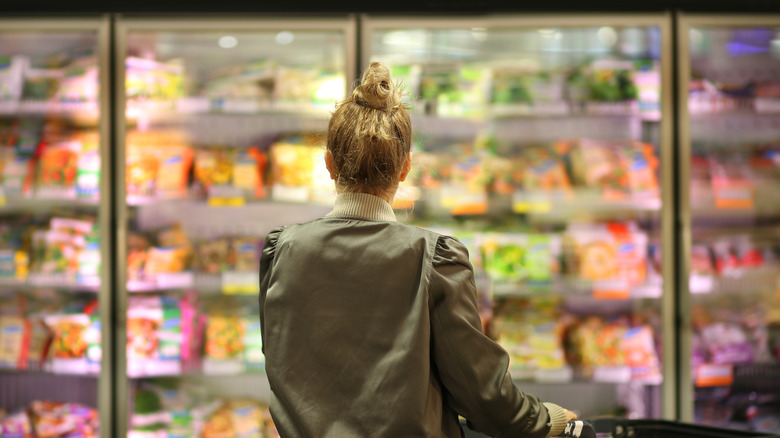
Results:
x,y
369,137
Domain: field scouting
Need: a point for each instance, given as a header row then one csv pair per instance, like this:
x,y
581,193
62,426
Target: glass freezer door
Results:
x,y
53,209
543,144
222,141
731,129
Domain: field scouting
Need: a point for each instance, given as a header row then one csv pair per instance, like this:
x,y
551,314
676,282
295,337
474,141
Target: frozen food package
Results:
x,y
142,169
298,169
16,425
732,182
214,166
56,419
57,169
641,165
11,77
544,171
249,171
173,173
15,334
640,355
598,168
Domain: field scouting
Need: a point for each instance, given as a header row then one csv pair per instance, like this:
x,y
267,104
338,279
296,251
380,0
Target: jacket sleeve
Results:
x,y
266,264
474,369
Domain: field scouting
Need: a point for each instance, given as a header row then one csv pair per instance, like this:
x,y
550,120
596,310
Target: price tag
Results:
x,y
538,202
462,202
713,374
153,367
174,280
193,105
241,283
617,374
611,290
216,367
551,108
734,195
701,284
767,105
69,366
9,106
554,375
240,106
221,196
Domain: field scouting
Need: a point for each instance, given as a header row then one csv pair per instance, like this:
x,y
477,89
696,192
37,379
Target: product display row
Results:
x,y
165,408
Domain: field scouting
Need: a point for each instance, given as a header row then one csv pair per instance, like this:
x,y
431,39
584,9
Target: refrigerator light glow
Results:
x,y
776,47
607,36
479,33
405,38
284,38
735,48
332,89
695,37
228,42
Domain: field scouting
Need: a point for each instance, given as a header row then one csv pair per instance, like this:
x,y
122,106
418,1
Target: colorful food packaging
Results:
x,y
249,173
597,166
732,183
518,257
254,359
172,177
298,170
69,344
727,342
57,168
41,84
212,256
224,337
610,81
600,342
154,336
613,251
63,420
154,80
246,253
640,355
466,191
88,166
214,167
641,165
544,171
14,341
143,166
15,425
11,77
529,331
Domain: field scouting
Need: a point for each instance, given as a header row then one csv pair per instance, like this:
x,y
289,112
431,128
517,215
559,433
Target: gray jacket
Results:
x,y
370,329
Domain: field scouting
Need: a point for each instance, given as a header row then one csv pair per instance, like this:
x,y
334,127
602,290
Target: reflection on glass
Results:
x,y
734,105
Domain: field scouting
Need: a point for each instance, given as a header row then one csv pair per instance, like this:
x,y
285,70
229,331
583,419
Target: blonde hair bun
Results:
x,y
376,89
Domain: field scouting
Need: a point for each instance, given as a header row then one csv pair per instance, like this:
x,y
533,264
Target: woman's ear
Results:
x,y
329,165
407,167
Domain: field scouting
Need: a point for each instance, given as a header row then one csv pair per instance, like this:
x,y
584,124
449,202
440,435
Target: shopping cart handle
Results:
x,y
574,429
579,429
